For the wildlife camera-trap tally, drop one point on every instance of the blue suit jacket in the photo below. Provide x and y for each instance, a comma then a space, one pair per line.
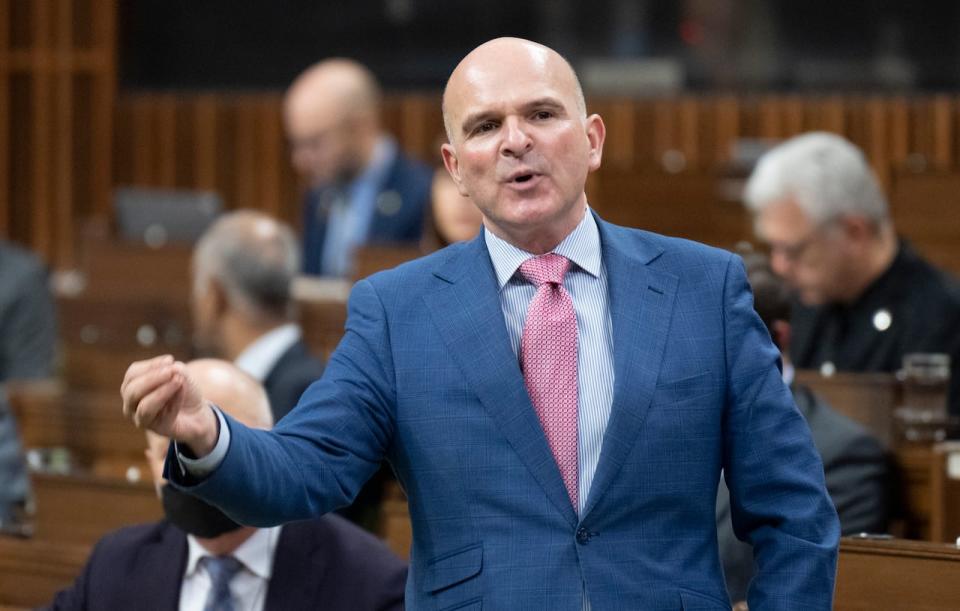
425, 376
404, 197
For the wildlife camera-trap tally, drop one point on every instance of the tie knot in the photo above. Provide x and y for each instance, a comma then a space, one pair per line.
221, 568
545, 268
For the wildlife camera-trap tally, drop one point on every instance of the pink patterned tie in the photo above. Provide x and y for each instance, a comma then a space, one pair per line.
548, 357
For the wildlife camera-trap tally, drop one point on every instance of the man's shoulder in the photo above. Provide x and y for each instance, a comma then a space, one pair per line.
18, 263
677, 255
130, 539
346, 542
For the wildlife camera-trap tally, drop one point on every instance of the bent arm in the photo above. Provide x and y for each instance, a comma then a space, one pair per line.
778, 499
320, 454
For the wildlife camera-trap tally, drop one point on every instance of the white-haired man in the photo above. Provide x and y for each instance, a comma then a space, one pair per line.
864, 296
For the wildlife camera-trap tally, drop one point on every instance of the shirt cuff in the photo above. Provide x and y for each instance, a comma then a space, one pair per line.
205, 465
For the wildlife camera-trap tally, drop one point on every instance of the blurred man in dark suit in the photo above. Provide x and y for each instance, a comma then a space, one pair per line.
243, 311
854, 462
363, 189
865, 298
198, 558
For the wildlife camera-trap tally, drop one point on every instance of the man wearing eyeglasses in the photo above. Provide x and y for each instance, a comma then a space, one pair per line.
864, 296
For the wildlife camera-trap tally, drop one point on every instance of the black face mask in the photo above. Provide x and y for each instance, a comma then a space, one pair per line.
194, 516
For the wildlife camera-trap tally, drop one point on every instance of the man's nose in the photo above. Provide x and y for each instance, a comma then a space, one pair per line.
780, 263
516, 140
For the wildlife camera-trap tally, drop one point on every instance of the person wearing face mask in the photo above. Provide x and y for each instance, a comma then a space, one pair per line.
199, 558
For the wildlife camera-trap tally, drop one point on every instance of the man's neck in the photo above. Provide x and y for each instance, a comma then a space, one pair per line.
240, 334
227, 543
876, 263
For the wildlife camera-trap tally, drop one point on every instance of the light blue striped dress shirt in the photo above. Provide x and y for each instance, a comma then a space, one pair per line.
586, 281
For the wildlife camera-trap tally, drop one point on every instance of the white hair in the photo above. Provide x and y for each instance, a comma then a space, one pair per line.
826, 175
255, 259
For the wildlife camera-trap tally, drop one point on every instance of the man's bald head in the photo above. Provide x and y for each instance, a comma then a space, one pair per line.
254, 259
232, 390
504, 54
332, 116
338, 85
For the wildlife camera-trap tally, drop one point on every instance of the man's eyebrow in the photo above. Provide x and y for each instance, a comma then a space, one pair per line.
546, 102
475, 118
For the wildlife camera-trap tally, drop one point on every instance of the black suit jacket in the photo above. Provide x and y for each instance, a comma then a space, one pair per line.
290, 376
326, 563
855, 466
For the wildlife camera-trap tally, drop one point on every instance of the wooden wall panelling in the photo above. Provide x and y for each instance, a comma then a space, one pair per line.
5, 119
56, 95
898, 119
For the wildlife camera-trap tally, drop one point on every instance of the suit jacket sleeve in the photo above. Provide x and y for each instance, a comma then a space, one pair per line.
318, 457
778, 499
28, 330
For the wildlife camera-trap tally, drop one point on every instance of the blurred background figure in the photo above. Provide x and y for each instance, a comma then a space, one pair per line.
452, 217
243, 310
864, 296
28, 333
198, 558
362, 188
854, 462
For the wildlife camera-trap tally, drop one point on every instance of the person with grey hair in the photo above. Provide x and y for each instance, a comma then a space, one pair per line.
363, 188
243, 268
863, 296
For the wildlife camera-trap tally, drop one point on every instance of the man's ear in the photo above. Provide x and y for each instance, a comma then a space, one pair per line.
596, 134
452, 164
218, 297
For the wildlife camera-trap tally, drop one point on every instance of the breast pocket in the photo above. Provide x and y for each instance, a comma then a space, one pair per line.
452, 569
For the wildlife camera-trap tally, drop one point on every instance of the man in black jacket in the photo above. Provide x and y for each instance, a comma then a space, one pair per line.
864, 297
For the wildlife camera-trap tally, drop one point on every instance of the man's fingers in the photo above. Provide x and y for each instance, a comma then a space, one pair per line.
142, 386
140, 367
151, 406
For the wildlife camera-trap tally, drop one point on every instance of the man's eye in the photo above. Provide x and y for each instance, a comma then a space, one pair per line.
543, 114
486, 126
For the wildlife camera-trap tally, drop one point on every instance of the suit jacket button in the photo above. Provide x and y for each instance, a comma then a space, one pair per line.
582, 536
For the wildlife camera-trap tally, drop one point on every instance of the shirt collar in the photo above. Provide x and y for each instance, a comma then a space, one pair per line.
256, 554
258, 358
384, 152
581, 246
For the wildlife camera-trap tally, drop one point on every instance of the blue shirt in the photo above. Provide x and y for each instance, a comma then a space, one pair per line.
351, 215
586, 281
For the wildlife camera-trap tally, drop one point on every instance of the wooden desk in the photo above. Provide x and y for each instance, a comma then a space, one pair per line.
32, 571
868, 398
88, 424
897, 575
82, 508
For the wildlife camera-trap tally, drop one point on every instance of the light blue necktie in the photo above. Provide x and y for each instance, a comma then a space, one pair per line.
221, 570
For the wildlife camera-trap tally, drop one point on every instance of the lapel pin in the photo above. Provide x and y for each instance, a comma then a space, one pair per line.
882, 319
389, 203
828, 369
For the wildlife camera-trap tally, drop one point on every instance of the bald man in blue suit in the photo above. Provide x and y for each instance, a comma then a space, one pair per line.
676, 376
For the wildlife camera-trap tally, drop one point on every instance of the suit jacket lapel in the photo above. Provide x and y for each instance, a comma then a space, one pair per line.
163, 578
294, 558
641, 304
466, 310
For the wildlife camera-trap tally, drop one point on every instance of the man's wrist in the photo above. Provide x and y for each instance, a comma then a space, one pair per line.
208, 434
